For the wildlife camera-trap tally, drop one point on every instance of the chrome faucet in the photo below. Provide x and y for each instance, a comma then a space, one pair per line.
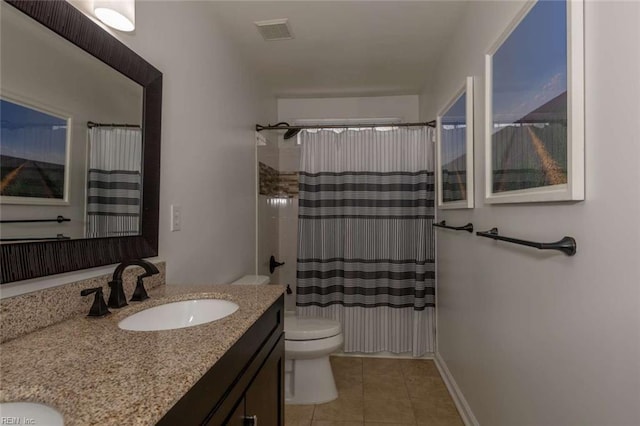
117, 298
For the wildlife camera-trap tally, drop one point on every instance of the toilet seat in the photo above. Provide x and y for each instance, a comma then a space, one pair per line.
309, 349
310, 328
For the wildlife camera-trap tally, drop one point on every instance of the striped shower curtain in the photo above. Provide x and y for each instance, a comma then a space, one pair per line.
366, 251
114, 187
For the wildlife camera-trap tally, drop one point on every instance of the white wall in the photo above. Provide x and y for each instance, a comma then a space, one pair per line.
211, 103
402, 108
267, 244
533, 338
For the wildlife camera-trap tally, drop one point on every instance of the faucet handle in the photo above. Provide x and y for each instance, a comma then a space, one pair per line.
140, 294
99, 308
117, 298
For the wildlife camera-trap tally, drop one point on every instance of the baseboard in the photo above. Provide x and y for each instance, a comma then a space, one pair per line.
458, 398
405, 355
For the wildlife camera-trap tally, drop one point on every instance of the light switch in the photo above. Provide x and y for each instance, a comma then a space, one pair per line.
176, 217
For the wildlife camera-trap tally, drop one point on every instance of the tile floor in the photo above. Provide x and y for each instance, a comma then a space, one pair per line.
381, 391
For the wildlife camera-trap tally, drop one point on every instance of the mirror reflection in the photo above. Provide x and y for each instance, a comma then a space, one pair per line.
70, 141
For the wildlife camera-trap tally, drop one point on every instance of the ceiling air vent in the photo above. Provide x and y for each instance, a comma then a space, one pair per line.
274, 29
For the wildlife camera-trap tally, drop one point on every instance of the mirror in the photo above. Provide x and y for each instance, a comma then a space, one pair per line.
80, 142
52, 164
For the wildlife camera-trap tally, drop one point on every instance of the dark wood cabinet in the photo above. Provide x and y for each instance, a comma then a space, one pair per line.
238, 417
263, 399
261, 403
247, 381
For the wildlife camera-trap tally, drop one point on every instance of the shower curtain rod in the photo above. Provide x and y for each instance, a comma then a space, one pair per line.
91, 124
287, 126
291, 131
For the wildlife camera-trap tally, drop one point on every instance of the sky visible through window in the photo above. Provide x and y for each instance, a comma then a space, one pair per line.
32, 135
530, 67
453, 151
453, 132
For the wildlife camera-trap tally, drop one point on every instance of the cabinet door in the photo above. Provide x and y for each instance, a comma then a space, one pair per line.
265, 396
237, 417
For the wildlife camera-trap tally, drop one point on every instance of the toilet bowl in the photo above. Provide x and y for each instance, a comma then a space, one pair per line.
308, 344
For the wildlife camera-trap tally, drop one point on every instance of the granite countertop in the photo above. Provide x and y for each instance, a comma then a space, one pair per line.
95, 373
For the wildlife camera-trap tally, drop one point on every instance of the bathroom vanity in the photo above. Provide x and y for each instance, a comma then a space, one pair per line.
228, 371
246, 385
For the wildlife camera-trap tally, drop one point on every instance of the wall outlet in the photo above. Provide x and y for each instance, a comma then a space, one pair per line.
176, 217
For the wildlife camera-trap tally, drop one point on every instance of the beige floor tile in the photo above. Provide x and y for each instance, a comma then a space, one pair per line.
298, 413
426, 387
378, 376
419, 368
341, 409
346, 362
381, 367
347, 368
436, 411
348, 375
381, 392
441, 421
350, 388
297, 422
385, 411
385, 387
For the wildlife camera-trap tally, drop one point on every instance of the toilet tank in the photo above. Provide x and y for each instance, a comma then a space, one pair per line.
253, 279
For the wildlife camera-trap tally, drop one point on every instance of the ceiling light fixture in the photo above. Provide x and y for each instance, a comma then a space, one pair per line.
118, 14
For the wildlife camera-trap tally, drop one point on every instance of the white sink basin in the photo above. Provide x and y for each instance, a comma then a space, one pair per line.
25, 413
178, 315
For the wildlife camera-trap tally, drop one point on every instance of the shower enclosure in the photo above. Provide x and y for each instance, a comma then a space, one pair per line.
356, 241
277, 222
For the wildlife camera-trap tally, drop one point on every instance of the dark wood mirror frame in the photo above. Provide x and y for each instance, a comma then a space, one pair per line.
30, 260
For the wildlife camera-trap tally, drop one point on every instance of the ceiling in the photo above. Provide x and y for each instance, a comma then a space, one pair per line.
343, 48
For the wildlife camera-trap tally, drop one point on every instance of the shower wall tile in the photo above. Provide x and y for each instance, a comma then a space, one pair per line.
289, 165
288, 248
289, 183
275, 183
278, 219
269, 179
289, 159
269, 155
268, 235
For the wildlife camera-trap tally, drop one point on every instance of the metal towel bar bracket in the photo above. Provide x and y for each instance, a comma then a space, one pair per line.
567, 245
443, 224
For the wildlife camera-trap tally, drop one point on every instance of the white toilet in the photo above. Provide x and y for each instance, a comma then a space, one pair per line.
308, 344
